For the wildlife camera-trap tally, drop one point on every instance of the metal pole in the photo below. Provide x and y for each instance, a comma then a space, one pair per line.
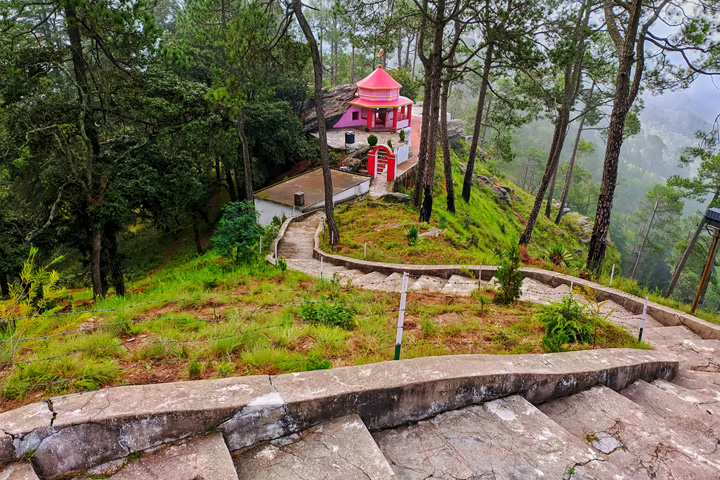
572, 283
321, 268
479, 276
642, 322
260, 246
365, 252
612, 274
276, 255
707, 269
401, 316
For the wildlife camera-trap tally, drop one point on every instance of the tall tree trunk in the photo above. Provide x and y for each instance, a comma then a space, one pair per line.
352, 63
90, 137
196, 235
415, 56
553, 158
642, 245
407, 53
246, 159
230, 184
4, 286
399, 54
686, 254
435, 80
218, 175
488, 109
467, 181
320, 112
551, 188
117, 274
424, 135
625, 92
447, 162
568, 177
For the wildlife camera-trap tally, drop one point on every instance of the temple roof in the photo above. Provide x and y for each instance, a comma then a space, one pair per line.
379, 80
396, 102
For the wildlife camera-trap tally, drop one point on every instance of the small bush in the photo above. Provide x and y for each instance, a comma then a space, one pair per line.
238, 233
367, 130
390, 144
509, 275
317, 362
195, 368
566, 321
372, 140
402, 135
442, 220
337, 313
282, 264
412, 235
225, 368
558, 255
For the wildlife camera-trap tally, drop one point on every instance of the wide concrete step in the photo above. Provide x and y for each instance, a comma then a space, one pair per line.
427, 283
459, 285
335, 450
641, 444
392, 284
502, 439
18, 471
709, 403
203, 458
694, 426
351, 275
370, 280
706, 383
701, 355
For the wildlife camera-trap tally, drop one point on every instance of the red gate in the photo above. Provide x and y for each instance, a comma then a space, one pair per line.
378, 166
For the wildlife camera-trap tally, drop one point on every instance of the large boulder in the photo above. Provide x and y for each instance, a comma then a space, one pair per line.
585, 225
335, 101
456, 130
396, 197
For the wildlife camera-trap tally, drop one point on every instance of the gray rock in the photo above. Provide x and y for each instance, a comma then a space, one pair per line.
395, 197
335, 101
605, 442
502, 195
18, 471
483, 181
579, 252
432, 233
456, 130
337, 449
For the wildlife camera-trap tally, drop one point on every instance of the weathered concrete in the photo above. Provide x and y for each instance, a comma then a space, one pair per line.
202, 458
392, 393
23, 429
645, 446
459, 285
335, 450
505, 438
706, 383
93, 428
18, 471
428, 284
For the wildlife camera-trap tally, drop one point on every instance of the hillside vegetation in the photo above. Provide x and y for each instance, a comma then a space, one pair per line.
473, 235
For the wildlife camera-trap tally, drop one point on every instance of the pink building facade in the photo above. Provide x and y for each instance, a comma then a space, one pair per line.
378, 105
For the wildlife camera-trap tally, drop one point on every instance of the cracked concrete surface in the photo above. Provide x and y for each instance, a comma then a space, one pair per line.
202, 458
336, 450
18, 471
651, 448
507, 438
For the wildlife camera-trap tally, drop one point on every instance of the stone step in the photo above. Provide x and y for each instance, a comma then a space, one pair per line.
707, 383
695, 426
503, 439
202, 458
642, 445
536, 292
706, 402
701, 355
668, 335
335, 450
18, 471
351, 275
459, 285
427, 283
393, 283
369, 280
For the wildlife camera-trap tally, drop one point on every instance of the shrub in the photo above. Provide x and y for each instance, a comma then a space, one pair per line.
402, 135
317, 362
195, 368
566, 321
390, 144
337, 313
442, 220
558, 255
367, 130
372, 140
412, 235
238, 233
281, 264
508, 275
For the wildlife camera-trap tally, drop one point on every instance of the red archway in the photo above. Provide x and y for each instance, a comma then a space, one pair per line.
378, 166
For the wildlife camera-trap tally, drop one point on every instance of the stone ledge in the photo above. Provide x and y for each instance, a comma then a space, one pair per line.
88, 429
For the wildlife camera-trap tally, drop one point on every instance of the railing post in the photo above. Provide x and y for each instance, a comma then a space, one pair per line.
401, 316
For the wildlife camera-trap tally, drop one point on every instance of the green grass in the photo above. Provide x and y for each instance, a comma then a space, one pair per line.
471, 236
207, 317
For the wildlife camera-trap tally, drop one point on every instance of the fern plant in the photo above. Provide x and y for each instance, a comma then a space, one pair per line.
566, 321
509, 275
558, 255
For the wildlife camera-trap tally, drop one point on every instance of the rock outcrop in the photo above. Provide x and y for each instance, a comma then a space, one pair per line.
335, 101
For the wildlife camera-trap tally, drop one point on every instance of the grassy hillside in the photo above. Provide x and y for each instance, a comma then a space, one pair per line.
470, 236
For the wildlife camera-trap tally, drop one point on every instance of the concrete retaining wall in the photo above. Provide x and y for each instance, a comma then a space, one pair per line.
73, 433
